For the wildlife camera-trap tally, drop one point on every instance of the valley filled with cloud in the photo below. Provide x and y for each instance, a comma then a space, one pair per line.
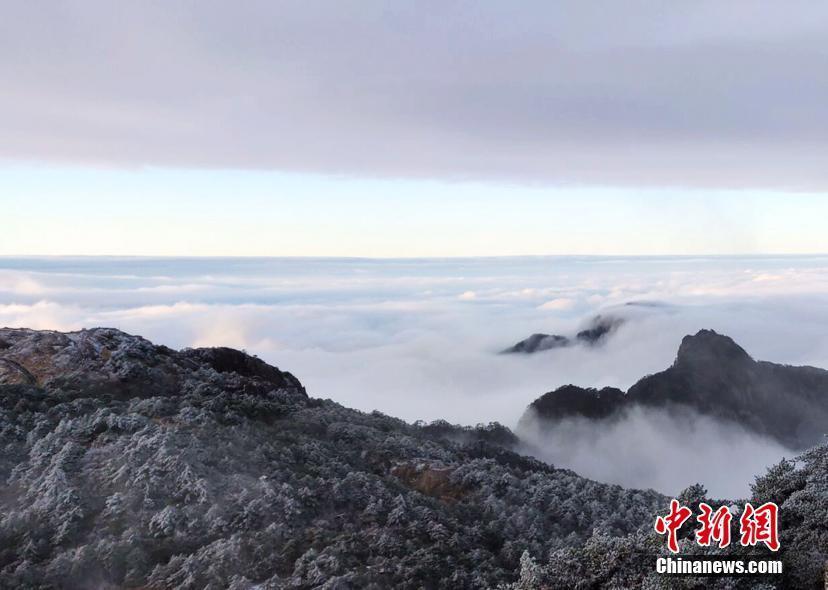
419, 339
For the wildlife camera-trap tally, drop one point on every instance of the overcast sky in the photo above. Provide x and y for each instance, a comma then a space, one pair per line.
426, 128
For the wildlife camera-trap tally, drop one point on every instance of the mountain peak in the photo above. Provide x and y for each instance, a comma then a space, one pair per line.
713, 376
126, 365
708, 346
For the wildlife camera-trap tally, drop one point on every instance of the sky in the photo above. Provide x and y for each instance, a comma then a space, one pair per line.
253, 213
380, 129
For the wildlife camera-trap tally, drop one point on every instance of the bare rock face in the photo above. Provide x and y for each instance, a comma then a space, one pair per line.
12, 372
708, 349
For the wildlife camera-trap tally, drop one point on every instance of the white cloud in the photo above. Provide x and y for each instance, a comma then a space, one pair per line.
654, 449
402, 342
559, 304
42, 315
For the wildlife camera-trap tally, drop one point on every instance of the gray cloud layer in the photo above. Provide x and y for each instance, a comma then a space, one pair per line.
723, 94
661, 450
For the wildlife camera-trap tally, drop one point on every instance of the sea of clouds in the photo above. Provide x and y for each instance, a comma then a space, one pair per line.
418, 339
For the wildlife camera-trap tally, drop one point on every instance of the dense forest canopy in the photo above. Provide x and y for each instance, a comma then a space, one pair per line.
130, 465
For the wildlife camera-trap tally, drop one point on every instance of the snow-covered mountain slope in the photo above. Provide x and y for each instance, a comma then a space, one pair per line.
130, 465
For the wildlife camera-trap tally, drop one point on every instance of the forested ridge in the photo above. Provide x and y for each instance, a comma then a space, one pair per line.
130, 465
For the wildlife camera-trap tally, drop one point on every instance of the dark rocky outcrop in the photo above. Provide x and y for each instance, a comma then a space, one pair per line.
598, 329
538, 342
714, 376
570, 401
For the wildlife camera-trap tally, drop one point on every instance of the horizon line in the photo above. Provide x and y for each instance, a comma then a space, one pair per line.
389, 258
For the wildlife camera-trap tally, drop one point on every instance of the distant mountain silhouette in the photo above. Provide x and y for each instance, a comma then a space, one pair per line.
599, 327
715, 377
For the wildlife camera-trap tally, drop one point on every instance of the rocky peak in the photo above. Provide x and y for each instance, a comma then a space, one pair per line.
713, 376
707, 347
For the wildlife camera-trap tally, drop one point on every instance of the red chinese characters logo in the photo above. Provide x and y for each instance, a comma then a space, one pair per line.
715, 526
671, 523
756, 525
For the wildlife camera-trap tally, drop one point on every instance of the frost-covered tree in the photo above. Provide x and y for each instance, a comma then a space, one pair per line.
133, 466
